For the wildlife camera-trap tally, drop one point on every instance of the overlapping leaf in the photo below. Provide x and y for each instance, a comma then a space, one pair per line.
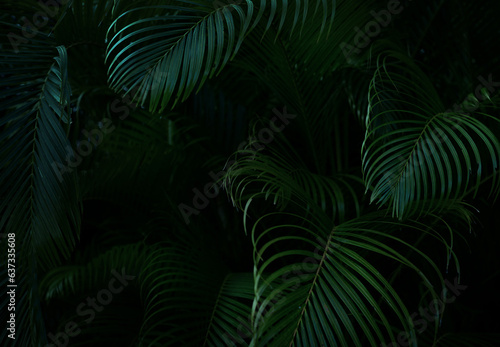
192, 302
335, 296
278, 175
416, 152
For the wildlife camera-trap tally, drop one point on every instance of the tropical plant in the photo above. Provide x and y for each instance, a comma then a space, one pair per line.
249, 173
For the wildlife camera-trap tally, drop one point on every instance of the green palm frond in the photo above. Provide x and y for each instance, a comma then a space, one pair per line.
37, 205
415, 151
113, 278
129, 110
192, 301
78, 279
278, 175
36, 148
335, 296
298, 69
166, 56
229, 322
36, 137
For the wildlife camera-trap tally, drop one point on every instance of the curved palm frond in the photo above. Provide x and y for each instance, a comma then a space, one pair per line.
279, 175
166, 56
33, 132
112, 278
319, 267
193, 301
297, 69
336, 296
162, 54
70, 280
37, 205
229, 322
415, 151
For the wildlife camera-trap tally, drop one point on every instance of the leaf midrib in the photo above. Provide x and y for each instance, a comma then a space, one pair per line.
316, 275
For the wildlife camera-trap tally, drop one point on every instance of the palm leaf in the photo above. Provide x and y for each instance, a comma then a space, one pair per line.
229, 322
66, 290
33, 142
335, 296
191, 300
278, 175
40, 207
81, 279
415, 151
166, 56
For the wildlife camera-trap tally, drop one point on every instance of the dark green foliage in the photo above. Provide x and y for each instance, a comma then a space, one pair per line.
227, 174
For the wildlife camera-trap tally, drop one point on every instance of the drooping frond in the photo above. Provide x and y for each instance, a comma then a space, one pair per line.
38, 204
34, 151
